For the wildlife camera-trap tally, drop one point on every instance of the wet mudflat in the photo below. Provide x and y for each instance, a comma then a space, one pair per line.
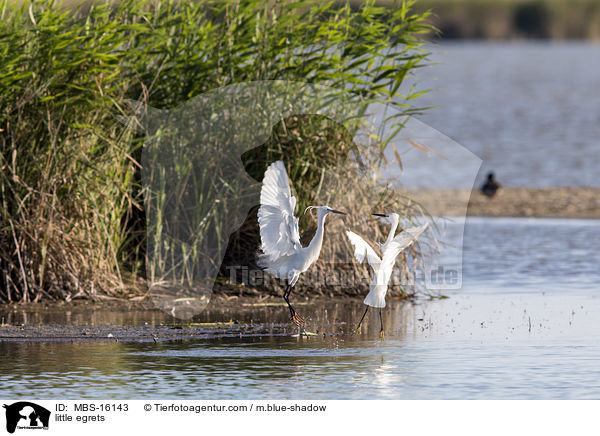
232, 317
147, 325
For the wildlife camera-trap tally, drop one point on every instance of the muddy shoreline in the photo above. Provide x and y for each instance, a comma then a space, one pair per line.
140, 321
513, 202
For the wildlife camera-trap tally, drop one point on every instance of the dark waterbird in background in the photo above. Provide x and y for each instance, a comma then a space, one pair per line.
491, 186
282, 253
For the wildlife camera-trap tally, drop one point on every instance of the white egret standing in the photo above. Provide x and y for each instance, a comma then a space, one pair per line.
383, 267
282, 254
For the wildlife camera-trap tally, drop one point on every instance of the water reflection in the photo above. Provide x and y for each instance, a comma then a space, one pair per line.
236, 319
512, 332
81, 316
465, 347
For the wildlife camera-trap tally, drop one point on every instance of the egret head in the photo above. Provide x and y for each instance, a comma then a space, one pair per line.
323, 210
392, 217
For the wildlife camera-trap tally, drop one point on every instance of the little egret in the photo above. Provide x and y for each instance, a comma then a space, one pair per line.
282, 254
383, 267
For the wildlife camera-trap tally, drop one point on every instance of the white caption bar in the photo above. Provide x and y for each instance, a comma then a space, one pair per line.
277, 417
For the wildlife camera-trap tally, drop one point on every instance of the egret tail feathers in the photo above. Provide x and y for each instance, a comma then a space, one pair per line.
376, 297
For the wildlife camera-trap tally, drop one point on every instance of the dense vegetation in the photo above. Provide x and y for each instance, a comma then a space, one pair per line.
71, 199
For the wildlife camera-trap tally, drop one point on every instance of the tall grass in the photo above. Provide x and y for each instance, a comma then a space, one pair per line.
71, 198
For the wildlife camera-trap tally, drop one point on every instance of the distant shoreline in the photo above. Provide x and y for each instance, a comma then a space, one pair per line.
513, 202
512, 19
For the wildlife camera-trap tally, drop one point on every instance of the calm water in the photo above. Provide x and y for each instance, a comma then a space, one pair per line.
525, 325
531, 111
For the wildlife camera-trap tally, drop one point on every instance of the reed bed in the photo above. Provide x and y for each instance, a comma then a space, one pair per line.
72, 221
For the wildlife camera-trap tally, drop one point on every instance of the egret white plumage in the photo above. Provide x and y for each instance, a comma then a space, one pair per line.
384, 266
282, 253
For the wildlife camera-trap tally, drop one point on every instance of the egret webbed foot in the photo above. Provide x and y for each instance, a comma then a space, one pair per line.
297, 319
294, 317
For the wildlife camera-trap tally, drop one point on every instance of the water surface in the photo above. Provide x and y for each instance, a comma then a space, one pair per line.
524, 326
530, 110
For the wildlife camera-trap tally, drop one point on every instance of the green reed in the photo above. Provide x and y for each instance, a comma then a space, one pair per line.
72, 220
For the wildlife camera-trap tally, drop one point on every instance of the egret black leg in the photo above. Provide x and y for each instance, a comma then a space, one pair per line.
381, 321
285, 297
361, 319
297, 319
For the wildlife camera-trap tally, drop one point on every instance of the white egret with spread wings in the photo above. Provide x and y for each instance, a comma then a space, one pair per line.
282, 253
384, 266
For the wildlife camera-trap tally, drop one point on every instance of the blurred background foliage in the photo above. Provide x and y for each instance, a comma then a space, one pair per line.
512, 19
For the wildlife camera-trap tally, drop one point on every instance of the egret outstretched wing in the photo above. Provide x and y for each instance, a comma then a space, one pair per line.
402, 241
362, 249
278, 226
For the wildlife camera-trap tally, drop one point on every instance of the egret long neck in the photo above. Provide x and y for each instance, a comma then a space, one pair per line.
317, 241
392, 233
